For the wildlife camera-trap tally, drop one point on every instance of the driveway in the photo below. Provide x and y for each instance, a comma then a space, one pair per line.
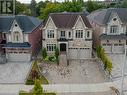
117, 61
14, 72
76, 73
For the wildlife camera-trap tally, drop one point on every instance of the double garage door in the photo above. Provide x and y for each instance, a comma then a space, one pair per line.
79, 53
116, 48
23, 57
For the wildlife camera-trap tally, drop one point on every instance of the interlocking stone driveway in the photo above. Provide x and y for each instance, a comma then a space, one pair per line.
77, 72
14, 72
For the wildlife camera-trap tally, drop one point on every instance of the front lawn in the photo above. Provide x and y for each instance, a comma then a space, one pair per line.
26, 93
35, 74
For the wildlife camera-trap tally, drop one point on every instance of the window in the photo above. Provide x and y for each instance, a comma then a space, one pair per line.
62, 34
16, 36
69, 34
50, 33
51, 47
88, 34
113, 29
79, 34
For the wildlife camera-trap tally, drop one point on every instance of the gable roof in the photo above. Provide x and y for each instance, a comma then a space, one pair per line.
26, 23
67, 20
102, 16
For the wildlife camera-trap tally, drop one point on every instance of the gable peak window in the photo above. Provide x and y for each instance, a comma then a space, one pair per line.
16, 36
50, 33
114, 29
79, 34
114, 19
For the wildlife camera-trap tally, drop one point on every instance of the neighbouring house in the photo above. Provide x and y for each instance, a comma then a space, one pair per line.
70, 32
20, 37
110, 29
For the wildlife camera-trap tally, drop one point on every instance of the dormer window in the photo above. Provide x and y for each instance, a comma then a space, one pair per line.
114, 29
16, 36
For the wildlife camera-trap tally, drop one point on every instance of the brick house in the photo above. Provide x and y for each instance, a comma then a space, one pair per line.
70, 32
20, 37
110, 29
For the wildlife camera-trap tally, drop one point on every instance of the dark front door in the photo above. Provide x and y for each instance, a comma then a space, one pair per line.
63, 47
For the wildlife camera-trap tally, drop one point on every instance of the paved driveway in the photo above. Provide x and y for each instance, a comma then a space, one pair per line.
14, 72
117, 60
76, 72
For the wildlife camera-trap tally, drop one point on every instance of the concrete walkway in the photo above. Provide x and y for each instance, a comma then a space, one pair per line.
61, 88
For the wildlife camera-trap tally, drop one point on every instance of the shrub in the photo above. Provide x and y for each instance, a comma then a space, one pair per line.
101, 54
44, 53
57, 54
37, 90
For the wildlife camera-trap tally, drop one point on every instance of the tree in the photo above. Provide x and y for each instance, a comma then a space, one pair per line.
37, 90
44, 53
124, 4
20, 8
33, 8
57, 54
92, 6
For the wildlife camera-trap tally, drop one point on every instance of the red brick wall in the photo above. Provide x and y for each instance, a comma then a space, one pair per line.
35, 39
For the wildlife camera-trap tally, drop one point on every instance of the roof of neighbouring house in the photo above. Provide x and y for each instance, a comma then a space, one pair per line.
17, 45
67, 19
102, 16
26, 23
105, 36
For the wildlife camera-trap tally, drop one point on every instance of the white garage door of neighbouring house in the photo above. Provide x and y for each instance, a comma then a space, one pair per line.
19, 57
79, 53
118, 48
107, 48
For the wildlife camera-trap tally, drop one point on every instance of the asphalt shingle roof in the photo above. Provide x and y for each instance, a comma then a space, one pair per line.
26, 23
17, 45
102, 16
67, 20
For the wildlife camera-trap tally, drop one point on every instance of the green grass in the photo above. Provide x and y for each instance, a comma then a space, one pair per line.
26, 93
30, 80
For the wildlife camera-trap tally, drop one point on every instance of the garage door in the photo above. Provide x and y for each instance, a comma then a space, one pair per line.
107, 48
79, 53
118, 48
18, 57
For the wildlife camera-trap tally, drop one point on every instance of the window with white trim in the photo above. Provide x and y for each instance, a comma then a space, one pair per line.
51, 47
16, 36
79, 34
88, 34
113, 29
62, 34
50, 33
69, 34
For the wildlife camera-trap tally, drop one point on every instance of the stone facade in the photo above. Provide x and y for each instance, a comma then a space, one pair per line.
72, 43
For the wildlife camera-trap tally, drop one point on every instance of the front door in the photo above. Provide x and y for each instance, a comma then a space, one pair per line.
62, 47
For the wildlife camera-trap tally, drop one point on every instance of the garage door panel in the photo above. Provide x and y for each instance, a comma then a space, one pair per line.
118, 49
80, 53
108, 49
18, 57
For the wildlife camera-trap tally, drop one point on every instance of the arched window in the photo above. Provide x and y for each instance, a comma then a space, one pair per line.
16, 36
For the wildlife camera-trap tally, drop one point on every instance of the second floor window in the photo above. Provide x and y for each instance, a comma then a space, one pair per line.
16, 36
50, 33
113, 29
69, 34
62, 34
88, 34
79, 34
